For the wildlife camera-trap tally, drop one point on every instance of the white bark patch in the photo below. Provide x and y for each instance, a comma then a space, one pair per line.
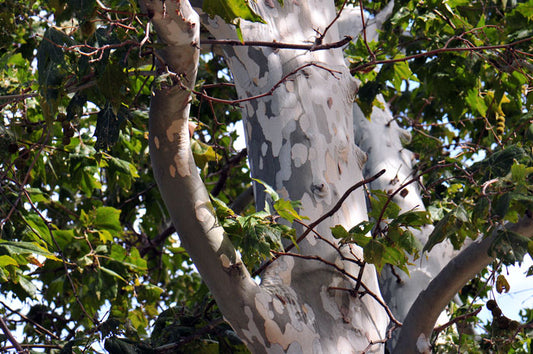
299, 154
344, 346
264, 149
274, 335
289, 86
156, 142
282, 270
181, 159
261, 304
172, 171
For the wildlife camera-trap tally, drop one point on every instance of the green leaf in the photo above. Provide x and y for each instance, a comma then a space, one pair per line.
6, 260
447, 227
476, 102
108, 126
509, 246
373, 252
39, 228
231, 10
412, 219
339, 232
108, 218
268, 190
23, 248
379, 200
203, 153
286, 209
113, 273
222, 209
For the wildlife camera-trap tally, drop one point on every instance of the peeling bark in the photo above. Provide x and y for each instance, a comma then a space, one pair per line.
300, 141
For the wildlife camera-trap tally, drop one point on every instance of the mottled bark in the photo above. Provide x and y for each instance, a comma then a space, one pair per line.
300, 141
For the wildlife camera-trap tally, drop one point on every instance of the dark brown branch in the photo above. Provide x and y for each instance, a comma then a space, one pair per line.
372, 63
319, 39
348, 275
314, 224
279, 45
438, 329
10, 337
268, 93
224, 172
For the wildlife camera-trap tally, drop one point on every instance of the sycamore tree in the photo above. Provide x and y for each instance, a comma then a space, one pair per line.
388, 150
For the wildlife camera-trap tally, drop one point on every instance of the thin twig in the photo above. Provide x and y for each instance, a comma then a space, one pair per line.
331, 23
268, 93
314, 224
345, 273
372, 63
370, 52
41, 328
438, 329
10, 337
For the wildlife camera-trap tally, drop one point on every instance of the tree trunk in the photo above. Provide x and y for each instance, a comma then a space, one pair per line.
300, 141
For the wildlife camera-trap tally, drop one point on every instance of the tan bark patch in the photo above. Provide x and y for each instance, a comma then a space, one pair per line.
182, 163
173, 130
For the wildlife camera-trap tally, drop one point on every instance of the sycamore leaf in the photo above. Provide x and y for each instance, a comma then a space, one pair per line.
502, 285
6, 260
231, 10
286, 209
509, 246
21, 247
108, 218
373, 253
113, 273
476, 102
203, 153
447, 227
268, 190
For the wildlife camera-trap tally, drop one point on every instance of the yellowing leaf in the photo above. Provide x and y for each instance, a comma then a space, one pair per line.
502, 285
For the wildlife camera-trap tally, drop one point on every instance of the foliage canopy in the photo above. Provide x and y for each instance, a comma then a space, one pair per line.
85, 237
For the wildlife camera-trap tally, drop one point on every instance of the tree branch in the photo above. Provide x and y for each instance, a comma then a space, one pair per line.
315, 223
418, 325
10, 337
175, 171
372, 63
279, 45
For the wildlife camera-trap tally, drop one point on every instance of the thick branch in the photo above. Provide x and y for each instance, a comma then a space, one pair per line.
418, 325
182, 189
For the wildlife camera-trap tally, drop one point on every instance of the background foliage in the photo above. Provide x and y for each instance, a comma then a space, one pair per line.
86, 242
